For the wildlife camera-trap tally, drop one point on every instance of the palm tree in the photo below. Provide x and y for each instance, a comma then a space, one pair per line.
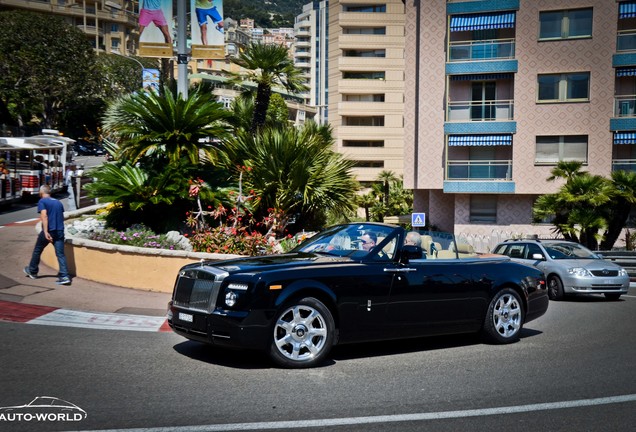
387, 177
566, 170
148, 124
267, 66
623, 200
295, 170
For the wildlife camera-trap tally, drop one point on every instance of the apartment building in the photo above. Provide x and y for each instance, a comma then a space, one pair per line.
310, 54
500, 91
110, 25
366, 83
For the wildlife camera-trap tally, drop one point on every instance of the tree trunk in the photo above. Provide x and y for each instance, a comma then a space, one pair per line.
620, 213
261, 104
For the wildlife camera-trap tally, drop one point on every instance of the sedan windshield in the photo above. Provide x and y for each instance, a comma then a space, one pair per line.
563, 250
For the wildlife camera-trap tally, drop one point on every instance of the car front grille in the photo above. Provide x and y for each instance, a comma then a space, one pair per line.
197, 289
605, 273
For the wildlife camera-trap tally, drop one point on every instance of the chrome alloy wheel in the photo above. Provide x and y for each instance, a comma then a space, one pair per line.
506, 316
300, 333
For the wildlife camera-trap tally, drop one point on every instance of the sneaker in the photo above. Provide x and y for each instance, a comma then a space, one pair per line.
29, 274
63, 281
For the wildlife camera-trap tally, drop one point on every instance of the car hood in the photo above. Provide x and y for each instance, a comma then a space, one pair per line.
276, 262
590, 264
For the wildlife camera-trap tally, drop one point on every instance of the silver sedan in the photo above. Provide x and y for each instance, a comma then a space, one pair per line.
569, 267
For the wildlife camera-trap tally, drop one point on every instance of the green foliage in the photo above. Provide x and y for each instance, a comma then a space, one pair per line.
148, 124
47, 69
277, 112
297, 171
267, 66
267, 15
386, 198
588, 208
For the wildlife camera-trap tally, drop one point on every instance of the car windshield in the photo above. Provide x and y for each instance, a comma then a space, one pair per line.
564, 250
355, 240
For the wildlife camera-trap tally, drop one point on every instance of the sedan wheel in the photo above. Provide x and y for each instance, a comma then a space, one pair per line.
555, 288
505, 316
612, 296
303, 334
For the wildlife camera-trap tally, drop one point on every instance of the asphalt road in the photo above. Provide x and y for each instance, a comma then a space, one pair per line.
573, 370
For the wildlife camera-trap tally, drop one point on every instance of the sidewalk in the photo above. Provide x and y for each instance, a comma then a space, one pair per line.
17, 241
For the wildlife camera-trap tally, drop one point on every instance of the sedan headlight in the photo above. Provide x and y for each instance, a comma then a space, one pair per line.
579, 271
622, 272
230, 298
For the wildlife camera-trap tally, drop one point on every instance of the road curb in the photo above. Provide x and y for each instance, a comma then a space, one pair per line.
52, 316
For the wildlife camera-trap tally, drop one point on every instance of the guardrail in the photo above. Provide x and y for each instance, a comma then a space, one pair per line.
625, 259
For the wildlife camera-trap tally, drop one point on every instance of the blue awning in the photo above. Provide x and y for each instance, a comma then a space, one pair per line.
625, 138
481, 77
627, 10
482, 21
479, 140
626, 71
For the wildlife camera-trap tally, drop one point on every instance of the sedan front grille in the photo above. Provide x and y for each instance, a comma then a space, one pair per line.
605, 273
197, 289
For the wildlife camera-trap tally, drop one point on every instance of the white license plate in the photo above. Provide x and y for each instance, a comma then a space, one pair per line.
185, 317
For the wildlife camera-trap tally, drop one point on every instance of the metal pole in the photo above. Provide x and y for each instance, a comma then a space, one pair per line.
182, 54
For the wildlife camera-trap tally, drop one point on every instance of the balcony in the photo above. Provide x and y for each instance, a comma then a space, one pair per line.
495, 110
480, 170
626, 40
625, 106
476, 50
628, 165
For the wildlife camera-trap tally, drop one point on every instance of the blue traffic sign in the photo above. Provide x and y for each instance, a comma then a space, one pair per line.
418, 219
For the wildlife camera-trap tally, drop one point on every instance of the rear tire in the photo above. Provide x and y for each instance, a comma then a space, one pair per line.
504, 318
303, 334
555, 288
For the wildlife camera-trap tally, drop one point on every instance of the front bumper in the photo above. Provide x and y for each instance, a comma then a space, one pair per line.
250, 330
596, 285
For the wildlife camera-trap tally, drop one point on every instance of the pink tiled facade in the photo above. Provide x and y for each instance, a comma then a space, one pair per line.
425, 148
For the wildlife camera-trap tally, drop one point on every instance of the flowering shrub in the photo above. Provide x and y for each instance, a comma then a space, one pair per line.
138, 235
231, 240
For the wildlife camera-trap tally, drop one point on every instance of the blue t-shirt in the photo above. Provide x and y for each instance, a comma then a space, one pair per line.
54, 212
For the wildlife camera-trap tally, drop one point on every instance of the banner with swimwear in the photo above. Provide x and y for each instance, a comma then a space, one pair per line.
155, 28
206, 29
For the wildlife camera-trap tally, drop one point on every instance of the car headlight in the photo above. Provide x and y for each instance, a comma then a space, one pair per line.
230, 298
622, 272
579, 271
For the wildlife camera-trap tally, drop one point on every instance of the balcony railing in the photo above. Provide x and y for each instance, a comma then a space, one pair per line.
625, 106
501, 110
626, 40
624, 165
481, 50
479, 170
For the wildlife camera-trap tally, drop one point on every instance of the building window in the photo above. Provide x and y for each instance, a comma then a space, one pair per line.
364, 53
114, 27
568, 87
364, 75
565, 24
363, 97
483, 209
364, 30
551, 150
363, 121
368, 164
114, 43
362, 143
364, 8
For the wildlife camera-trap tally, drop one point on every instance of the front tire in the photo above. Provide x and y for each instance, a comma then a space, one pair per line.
555, 288
504, 318
303, 334
612, 296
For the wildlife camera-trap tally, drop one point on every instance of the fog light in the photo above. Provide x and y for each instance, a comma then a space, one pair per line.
230, 298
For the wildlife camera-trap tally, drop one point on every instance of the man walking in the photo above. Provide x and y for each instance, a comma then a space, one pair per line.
52, 217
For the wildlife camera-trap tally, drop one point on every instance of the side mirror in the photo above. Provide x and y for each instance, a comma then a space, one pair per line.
538, 256
410, 252
600, 256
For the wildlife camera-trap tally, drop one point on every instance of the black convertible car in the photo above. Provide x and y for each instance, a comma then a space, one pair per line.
353, 283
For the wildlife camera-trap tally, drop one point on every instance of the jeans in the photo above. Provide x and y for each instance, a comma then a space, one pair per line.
58, 244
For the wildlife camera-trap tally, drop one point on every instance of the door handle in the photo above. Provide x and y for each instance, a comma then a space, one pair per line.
400, 270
